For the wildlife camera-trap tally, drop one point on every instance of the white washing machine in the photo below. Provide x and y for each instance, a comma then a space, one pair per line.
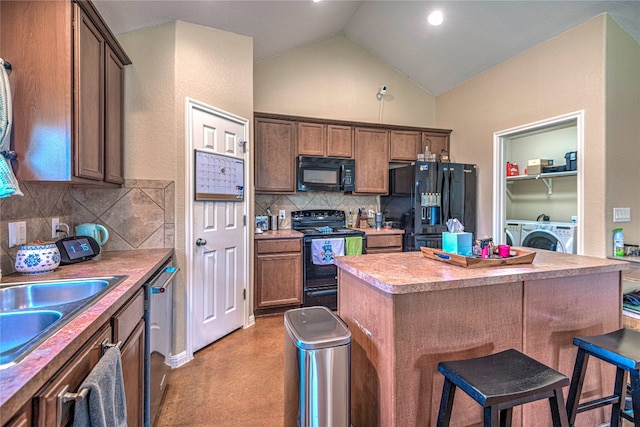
513, 230
553, 236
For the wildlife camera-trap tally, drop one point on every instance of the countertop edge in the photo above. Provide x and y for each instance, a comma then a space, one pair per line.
483, 276
21, 381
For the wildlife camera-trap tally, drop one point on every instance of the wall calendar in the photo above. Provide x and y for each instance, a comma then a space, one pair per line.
218, 177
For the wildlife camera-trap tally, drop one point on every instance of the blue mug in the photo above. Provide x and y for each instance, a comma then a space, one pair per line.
97, 231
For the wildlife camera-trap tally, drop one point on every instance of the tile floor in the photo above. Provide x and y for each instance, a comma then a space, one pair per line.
235, 382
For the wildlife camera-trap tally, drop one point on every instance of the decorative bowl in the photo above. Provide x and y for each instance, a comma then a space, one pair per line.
37, 258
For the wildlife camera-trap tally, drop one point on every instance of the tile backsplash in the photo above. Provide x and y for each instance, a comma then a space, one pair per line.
312, 200
139, 215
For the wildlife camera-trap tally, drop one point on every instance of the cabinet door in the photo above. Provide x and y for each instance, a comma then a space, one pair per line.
311, 139
404, 145
88, 98
340, 141
275, 159
113, 119
436, 142
133, 375
47, 412
371, 148
278, 280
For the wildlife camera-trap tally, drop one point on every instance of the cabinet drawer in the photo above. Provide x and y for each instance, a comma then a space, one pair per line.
126, 320
384, 241
278, 246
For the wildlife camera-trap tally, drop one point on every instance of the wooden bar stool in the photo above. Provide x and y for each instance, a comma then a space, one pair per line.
499, 382
620, 348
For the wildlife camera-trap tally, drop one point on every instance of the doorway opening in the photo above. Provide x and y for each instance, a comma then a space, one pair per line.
555, 193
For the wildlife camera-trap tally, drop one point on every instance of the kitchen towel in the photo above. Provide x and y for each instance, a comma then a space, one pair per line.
105, 405
8, 182
324, 250
353, 245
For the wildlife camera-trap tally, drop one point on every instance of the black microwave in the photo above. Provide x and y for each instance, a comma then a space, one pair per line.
326, 174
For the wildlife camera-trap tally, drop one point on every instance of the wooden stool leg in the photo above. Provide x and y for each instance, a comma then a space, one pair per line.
491, 416
635, 396
558, 411
446, 403
573, 399
619, 389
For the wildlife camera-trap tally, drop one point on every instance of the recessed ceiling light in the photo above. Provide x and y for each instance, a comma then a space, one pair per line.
317, 1
435, 18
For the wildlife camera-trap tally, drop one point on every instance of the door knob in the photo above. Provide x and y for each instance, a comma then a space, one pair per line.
200, 242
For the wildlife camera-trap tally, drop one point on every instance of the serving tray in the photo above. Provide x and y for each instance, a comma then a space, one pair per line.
520, 256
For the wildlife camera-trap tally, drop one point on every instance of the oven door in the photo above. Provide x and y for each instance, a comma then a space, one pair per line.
320, 282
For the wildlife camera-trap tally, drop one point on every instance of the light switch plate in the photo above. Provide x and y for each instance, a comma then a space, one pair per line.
621, 214
17, 233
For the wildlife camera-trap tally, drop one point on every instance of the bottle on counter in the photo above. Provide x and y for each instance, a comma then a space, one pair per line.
618, 242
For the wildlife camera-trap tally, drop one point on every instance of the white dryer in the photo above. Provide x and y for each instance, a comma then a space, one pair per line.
552, 236
513, 230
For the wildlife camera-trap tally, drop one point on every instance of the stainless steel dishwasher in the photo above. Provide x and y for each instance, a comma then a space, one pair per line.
158, 332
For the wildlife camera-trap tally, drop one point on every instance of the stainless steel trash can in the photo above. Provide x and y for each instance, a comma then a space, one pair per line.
317, 369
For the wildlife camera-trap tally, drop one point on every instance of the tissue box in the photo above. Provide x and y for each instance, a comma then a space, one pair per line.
457, 243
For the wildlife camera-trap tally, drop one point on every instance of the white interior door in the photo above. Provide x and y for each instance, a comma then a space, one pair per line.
219, 235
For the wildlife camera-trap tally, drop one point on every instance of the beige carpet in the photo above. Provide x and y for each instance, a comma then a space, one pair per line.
234, 382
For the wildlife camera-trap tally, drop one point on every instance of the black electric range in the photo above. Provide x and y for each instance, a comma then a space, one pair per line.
320, 280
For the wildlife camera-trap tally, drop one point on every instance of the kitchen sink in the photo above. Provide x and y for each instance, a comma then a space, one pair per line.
32, 312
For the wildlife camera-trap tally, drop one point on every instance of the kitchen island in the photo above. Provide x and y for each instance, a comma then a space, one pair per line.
406, 313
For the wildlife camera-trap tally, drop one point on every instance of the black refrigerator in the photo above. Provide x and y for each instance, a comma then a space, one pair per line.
423, 196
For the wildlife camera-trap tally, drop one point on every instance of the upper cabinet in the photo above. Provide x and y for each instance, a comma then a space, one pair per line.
280, 139
325, 140
67, 97
371, 147
405, 145
275, 156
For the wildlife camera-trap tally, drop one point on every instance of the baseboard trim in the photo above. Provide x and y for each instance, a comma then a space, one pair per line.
177, 360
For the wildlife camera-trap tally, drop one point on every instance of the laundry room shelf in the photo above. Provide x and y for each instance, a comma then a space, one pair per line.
545, 177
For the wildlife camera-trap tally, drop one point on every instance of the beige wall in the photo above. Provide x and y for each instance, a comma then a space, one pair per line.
337, 79
562, 75
623, 130
170, 62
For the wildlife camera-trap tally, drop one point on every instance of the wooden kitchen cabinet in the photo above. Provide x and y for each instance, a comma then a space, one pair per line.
436, 141
48, 411
68, 108
371, 153
128, 328
325, 140
278, 274
405, 145
275, 159
384, 243
22, 418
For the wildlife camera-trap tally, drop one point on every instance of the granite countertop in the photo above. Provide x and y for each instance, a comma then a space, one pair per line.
410, 272
278, 234
22, 380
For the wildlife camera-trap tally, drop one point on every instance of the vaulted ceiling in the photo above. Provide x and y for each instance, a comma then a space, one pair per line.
475, 35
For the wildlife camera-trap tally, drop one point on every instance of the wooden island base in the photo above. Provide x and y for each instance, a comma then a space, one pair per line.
407, 313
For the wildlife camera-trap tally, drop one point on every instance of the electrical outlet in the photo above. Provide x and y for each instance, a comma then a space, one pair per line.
282, 214
55, 222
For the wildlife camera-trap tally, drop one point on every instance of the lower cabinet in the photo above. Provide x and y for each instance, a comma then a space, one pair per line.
125, 327
384, 243
278, 274
49, 409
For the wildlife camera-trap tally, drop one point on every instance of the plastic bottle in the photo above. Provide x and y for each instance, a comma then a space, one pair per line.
618, 242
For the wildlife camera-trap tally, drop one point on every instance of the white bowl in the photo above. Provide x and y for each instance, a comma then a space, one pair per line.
37, 258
